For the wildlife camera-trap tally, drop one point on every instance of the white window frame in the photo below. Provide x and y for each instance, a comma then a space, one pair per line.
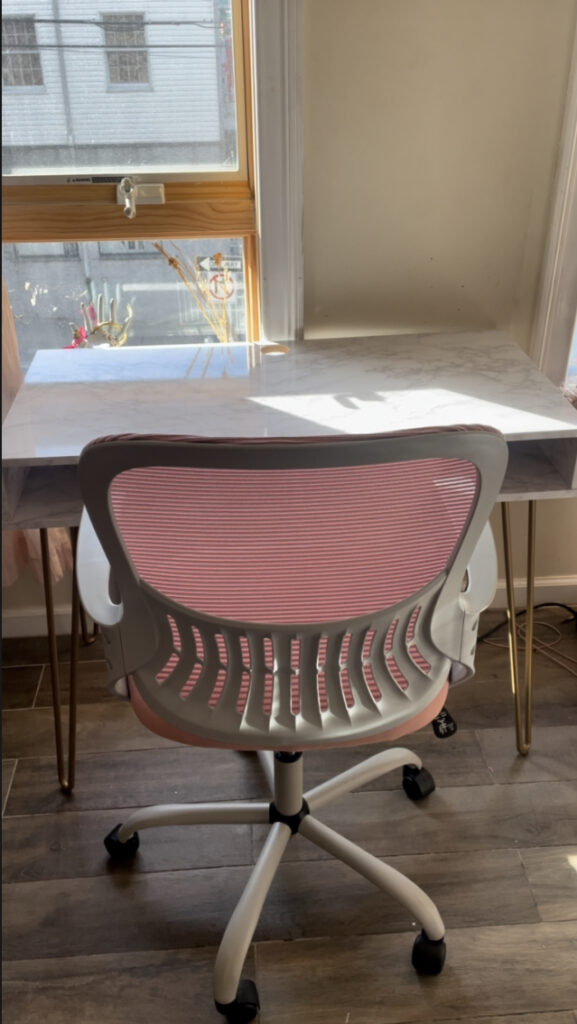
556, 307
278, 102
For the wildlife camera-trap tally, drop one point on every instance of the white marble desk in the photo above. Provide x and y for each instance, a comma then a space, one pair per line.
347, 386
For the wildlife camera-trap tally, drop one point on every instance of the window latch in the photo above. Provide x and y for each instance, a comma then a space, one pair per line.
129, 193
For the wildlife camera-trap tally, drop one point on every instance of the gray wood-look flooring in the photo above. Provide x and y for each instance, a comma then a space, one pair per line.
495, 846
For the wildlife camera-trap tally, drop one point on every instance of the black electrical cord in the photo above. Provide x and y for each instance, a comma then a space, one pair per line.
544, 604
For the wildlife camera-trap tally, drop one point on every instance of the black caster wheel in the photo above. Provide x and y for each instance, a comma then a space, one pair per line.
119, 852
417, 782
245, 1007
428, 954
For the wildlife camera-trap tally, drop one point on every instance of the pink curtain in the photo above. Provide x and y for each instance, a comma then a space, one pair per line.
22, 547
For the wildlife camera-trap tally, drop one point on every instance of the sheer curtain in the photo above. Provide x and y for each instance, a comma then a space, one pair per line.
22, 547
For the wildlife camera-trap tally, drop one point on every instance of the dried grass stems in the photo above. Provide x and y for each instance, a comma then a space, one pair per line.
214, 310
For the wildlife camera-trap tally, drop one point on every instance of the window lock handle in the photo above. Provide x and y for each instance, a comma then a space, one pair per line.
126, 194
129, 193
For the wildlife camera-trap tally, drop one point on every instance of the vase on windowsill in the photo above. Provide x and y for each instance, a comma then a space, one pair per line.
98, 332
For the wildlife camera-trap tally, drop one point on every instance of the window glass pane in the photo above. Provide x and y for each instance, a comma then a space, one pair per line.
163, 293
146, 86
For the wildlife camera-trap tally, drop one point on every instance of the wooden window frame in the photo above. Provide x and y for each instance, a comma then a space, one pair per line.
199, 208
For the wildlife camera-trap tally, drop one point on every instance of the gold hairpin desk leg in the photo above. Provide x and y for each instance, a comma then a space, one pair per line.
66, 780
523, 715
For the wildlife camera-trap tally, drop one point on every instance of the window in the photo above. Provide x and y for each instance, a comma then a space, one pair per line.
118, 248
20, 56
66, 151
127, 58
44, 250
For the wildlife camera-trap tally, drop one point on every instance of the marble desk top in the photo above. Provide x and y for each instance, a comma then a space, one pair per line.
359, 385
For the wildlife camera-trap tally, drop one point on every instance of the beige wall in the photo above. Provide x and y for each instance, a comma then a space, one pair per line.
555, 545
431, 129
431, 135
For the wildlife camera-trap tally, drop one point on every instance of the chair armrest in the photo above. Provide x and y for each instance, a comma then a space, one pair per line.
481, 575
456, 624
93, 576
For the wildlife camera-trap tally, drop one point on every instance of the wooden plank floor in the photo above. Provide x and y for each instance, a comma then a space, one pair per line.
495, 846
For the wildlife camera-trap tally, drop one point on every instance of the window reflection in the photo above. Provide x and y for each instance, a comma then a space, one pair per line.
57, 289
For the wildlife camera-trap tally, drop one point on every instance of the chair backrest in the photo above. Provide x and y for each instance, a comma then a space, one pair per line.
283, 592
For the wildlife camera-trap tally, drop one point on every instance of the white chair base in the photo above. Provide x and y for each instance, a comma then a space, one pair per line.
291, 807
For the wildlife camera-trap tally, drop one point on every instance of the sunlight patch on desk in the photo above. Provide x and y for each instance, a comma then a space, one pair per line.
411, 408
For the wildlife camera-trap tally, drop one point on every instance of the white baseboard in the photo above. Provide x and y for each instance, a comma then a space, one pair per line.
562, 589
31, 620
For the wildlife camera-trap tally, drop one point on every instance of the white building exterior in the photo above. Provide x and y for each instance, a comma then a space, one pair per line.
163, 95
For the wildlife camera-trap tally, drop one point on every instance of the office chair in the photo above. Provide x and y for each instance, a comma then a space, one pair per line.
282, 595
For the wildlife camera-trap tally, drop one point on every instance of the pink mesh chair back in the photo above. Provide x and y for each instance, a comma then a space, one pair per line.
283, 593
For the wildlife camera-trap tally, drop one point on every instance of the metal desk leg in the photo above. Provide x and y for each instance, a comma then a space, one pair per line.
66, 780
72, 699
523, 717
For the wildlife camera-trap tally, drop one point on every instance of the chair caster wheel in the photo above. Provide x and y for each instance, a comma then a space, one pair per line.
245, 1007
119, 852
428, 954
417, 782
